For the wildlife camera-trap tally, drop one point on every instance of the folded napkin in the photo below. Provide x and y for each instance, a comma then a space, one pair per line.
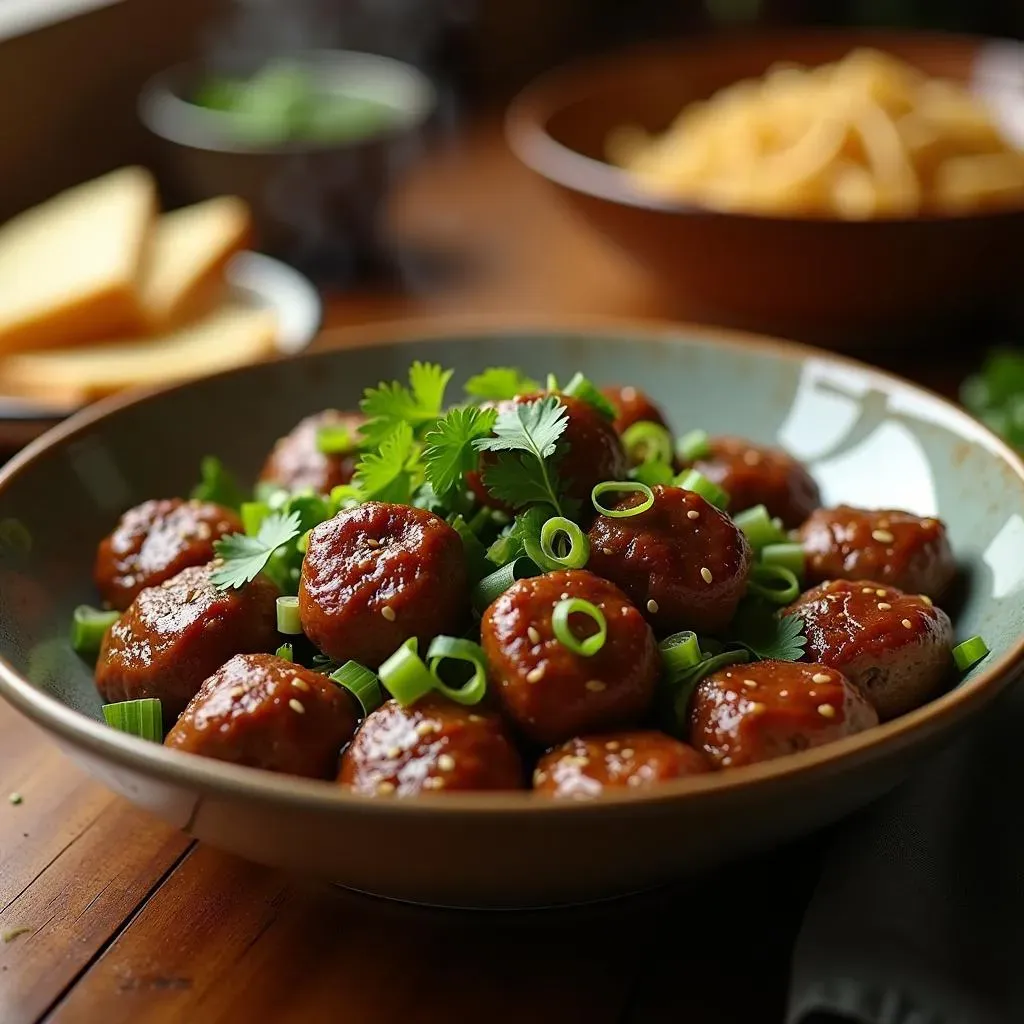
918, 917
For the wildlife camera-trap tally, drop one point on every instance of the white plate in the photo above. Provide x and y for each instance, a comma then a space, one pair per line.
253, 279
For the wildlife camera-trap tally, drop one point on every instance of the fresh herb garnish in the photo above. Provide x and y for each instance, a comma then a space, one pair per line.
392, 404
448, 452
521, 537
764, 633
498, 383
580, 387
389, 474
246, 557
996, 395
526, 437
216, 484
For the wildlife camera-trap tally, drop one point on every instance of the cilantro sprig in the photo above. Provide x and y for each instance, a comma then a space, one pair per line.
498, 383
449, 452
759, 628
246, 557
216, 484
392, 472
391, 404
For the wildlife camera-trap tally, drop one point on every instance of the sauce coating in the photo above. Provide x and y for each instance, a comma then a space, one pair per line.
757, 475
585, 766
377, 574
548, 690
434, 746
632, 406
757, 712
896, 647
296, 462
175, 635
896, 548
262, 711
156, 540
682, 562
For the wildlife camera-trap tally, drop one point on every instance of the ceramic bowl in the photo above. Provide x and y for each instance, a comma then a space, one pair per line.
842, 283
869, 438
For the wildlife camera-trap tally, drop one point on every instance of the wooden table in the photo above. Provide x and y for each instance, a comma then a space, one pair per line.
110, 916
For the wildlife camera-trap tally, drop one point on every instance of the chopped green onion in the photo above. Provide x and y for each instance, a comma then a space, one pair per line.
692, 480
456, 649
142, 718
552, 383
361, 683
645, 441
589, 646
332, 439
694, 445
405, 676
680, 652
88, 627
253, 513
653, 473
789, 556
288, 621
578, 546
286, 652
622, 486
760, 528
490, 588
302, 544
774, 583
580, 387
969, 653
475, 552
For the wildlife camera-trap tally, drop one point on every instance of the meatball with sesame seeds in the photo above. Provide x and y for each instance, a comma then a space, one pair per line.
588, 765
632, 406
551, 691
893, 547
756, 475
749, 713
297, 462
433, 746
378, 574
155, 541
682, 562
262, 711
896, 647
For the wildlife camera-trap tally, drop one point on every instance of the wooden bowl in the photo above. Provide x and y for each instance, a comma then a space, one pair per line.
836, 282
868, 438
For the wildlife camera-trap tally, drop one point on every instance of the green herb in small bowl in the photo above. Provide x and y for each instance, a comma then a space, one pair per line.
996, 394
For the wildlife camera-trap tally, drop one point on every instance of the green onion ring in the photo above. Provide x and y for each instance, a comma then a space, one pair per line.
788, 555
361, 683
646, 441
88, 627
579, 546
286, 652
969, 653
680, 652
760, 529
765, 582
622, 486
692, 480
405, 676
458, 649
694, 445
142, 718
288, 621
491, 587
563, 631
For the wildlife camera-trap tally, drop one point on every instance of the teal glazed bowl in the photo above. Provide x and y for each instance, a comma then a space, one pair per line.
869, 438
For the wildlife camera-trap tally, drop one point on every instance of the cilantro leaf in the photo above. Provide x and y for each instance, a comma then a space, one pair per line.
387, 474
391, 403
246, 557
500, 382
448, 452
523, 532
764, 633
217, 484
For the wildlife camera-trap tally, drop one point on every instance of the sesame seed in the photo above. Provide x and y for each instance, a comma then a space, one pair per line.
595, 685
612, 745
628, 393
296, 707
880, 592
751, 683
426, 728
884, 606
634, 780
652, 606
203, 531
393, 752
927, 600
693, 514
607, 551
756, 708
385, 787
907, 624
826, 711
300, 684
783, 693
388, 613
372, 542
238, 691
812, 693
533, 635
628, 751
446, 762
867, 590
564, 597
475, 718
883, 536
705, 573
820, 677
535, 675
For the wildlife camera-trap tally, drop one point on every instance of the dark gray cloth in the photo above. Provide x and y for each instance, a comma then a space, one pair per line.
918, 917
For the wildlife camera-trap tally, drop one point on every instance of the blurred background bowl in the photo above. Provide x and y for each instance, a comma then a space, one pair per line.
835, 282
315, 201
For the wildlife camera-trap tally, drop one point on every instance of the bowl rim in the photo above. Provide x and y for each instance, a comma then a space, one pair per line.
550, 93
169, 116
207, 776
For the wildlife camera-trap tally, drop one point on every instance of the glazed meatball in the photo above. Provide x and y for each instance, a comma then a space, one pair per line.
296, 462
586, 766
265, 712
433, 746
756, 475
548, 690
175, 635
896, 647
155, 541
757, 712
682, 562
378, 574
632, 406
893, 547
593, 451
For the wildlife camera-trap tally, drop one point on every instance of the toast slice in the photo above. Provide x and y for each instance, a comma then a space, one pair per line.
183, 271
230, 335
69, 267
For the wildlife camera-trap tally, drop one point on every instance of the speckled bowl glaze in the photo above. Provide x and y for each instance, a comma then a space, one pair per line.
870, 439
